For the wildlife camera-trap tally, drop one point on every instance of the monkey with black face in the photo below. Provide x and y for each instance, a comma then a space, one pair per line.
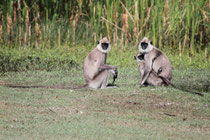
155, 67
153, 79
95, 69
154, 60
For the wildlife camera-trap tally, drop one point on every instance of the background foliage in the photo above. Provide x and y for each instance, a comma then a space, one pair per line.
181, 27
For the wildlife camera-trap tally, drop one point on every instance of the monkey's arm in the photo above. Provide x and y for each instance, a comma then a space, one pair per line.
107, 67
113, 69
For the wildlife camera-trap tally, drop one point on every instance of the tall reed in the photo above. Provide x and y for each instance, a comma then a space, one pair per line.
178, 25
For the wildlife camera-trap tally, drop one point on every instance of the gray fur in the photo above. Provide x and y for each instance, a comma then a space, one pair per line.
153, 78
95, 69
154, 60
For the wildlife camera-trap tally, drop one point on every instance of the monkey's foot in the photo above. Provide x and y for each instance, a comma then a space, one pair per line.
143, 85
112, 86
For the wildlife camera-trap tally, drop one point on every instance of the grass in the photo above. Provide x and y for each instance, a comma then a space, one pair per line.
123, 113
13, 59
49, 40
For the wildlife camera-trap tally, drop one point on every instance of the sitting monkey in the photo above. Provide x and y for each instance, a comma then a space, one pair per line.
153, 78
95, 69
154, 60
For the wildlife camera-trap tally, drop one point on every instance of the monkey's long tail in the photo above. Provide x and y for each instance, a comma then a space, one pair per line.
170, 83
39, 86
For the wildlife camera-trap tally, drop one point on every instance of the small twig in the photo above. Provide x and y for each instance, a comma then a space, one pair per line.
127, 11
52, 110
168, 114
204, 14
113, 24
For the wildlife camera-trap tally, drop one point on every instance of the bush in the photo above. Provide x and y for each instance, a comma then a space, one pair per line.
35, 59
65, 59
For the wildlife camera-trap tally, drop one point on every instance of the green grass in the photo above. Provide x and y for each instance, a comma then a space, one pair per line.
12, 59
123, 113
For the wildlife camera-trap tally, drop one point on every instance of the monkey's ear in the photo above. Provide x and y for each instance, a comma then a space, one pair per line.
134, 57
98, 42
151, 42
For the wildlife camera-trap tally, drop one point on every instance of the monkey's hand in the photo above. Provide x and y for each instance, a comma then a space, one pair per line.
115, 73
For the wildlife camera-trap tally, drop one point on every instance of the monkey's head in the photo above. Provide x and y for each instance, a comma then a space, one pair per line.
104, 45
145, 45
139, 57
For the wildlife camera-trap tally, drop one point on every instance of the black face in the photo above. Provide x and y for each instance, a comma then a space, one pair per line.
141, 57
144, 45
105, 46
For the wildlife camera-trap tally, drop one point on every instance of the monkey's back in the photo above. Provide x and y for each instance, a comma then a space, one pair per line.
92, 63
163, 62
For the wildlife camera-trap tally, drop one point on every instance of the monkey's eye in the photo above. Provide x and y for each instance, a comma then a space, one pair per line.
105, 45
144, 45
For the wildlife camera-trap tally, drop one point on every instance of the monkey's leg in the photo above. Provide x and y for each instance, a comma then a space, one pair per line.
105, 79
101, 80
154, 81
144, 79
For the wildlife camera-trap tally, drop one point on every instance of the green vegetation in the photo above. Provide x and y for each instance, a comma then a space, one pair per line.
52, 34
44, 42
66, 59
178, 25
122, 113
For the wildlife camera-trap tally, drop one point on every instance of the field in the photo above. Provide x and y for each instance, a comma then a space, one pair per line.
126, 112
44, 42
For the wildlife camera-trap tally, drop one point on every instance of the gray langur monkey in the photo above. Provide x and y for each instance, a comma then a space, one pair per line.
153, 79
155, 60
95, 69
154, 66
